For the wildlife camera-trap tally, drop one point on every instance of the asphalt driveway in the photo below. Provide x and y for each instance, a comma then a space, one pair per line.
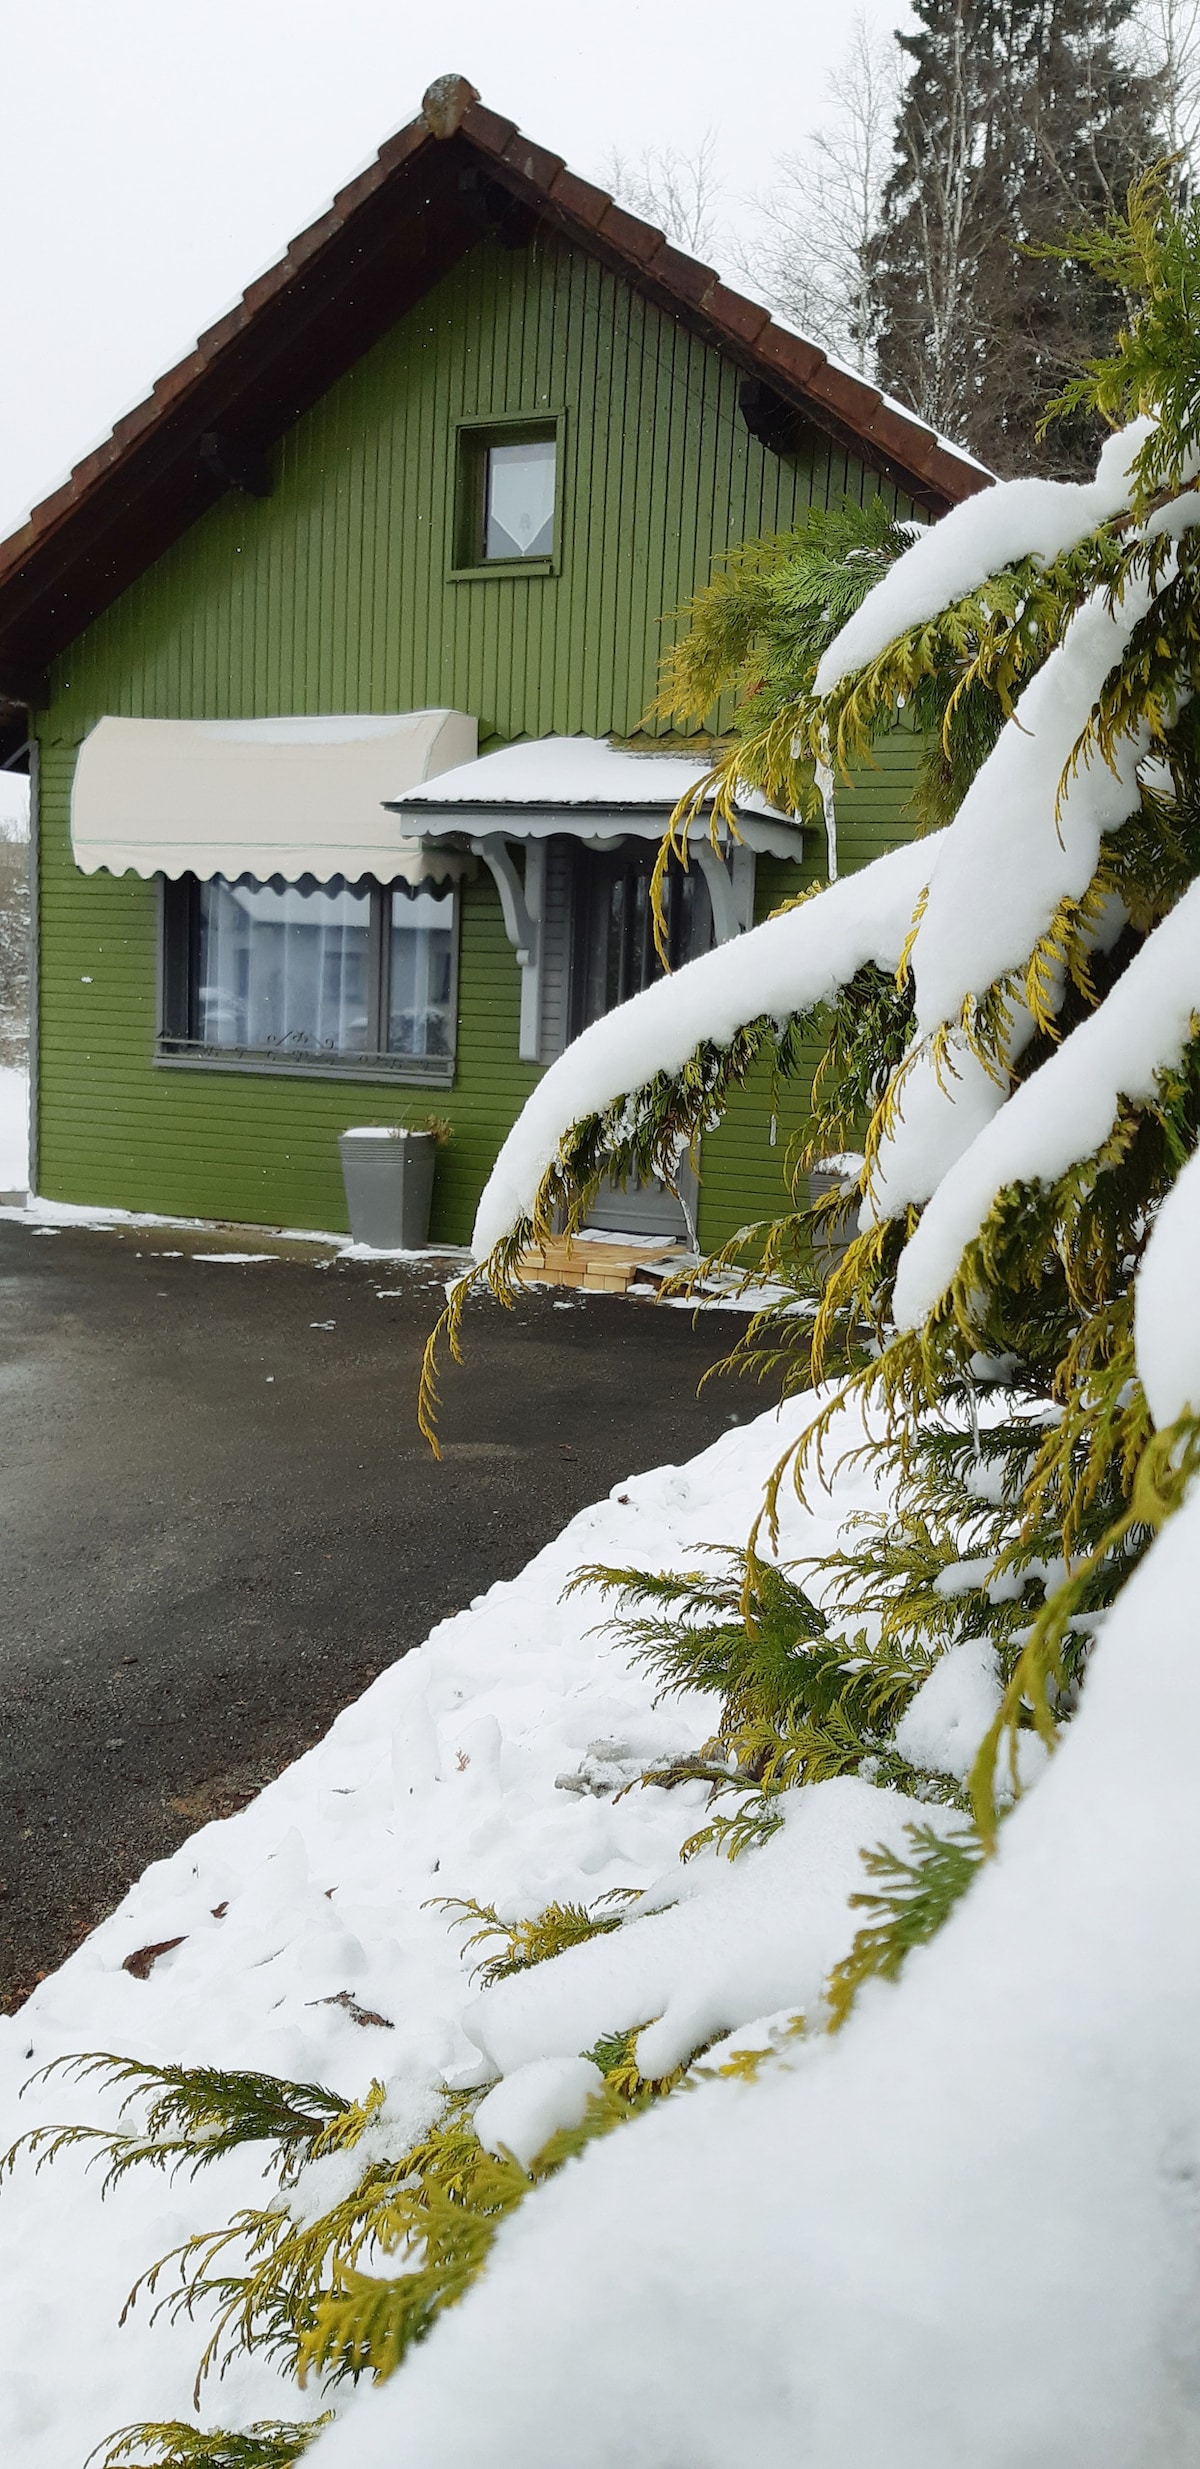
218, 1520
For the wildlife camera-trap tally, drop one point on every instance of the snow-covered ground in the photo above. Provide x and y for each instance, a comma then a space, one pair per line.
963, 2230
456, 1774
14, 1130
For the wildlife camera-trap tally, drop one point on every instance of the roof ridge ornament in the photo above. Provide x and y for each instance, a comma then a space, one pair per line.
446, 102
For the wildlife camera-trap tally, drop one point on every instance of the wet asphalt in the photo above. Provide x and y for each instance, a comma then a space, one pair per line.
218, 1519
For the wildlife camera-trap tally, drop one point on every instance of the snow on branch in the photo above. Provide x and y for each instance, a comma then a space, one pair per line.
1025, 840
1022, 518
1166, 1312
790, 964
1027, 836
1061, 1115
940, 1103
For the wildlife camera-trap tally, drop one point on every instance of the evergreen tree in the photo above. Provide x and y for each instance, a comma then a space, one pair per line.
1020, 119
981, 1045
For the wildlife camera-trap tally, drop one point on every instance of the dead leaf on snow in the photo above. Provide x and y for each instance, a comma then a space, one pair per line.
142, 1963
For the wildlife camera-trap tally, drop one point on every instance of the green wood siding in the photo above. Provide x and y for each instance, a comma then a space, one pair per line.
334, 595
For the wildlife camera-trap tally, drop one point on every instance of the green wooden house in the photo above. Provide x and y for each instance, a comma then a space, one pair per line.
331, 667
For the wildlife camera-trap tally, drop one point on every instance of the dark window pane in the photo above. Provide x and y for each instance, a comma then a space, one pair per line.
282, 968
616, 955
519, 499
421, 974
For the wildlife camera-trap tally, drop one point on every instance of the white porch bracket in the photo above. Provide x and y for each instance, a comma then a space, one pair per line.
730, 882
521, 906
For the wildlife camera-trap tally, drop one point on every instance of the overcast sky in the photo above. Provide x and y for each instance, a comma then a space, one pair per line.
157, 154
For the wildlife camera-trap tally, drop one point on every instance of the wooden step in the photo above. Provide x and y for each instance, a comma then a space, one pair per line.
600, 1267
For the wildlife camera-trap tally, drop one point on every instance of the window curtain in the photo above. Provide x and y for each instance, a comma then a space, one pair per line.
421, 973
283, 968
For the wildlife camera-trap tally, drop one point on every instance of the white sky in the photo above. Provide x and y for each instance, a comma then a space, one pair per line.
158, 153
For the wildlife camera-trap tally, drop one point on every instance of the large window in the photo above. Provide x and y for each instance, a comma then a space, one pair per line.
312, 974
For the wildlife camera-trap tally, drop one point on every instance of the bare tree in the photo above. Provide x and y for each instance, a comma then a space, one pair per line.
14, 918
1020, 122
807, 255
1165, 43
14, 948
679, 192
934, 157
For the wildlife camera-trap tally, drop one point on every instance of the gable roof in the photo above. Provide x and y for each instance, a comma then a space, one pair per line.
454, 173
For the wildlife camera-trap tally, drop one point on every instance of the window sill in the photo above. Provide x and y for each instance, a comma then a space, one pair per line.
426, 1073
497, 568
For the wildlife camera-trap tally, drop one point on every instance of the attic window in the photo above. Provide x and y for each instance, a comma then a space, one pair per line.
507, 492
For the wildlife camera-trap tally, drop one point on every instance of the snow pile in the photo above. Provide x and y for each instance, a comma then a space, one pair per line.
789, 964
1022, 518
301, 1936
535, 2102
964, 2231
719, 1955
942, 1726
14, 1130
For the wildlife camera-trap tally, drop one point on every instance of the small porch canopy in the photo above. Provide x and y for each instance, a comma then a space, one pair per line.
584, 786
596, 793
289, 797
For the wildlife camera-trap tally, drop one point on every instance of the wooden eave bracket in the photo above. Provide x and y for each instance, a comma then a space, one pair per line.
234, 463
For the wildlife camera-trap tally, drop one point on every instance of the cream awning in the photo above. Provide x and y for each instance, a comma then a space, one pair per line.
286, 797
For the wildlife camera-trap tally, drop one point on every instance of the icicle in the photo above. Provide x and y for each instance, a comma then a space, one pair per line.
824, 780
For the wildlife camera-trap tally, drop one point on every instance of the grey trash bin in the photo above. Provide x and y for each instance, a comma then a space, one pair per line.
388, 1174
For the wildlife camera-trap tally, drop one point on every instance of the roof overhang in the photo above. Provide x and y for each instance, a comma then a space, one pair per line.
286, 797
585, 787
455, 174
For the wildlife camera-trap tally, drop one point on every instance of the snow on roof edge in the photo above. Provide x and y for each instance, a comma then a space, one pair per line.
572, 772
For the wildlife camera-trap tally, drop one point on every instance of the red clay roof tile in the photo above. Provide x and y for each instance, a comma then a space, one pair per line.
580, 198
739, 316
